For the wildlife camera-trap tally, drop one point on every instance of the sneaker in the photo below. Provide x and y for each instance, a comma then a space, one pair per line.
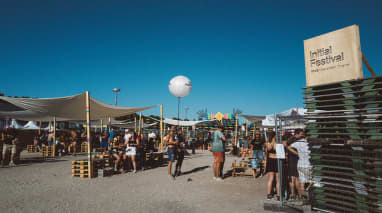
12, 164
214, 178
134, 171
115, 169
269, 197
219, 179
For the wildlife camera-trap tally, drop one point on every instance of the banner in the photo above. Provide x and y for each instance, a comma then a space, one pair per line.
333, 57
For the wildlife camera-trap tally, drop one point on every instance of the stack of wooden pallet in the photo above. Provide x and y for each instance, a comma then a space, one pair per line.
84, 147
243, 169
80, 168
32, 148
48, 151
345, 131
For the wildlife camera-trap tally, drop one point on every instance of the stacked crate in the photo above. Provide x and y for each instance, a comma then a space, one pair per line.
345, 131
48, 151
84, 147
32, 148
80, 168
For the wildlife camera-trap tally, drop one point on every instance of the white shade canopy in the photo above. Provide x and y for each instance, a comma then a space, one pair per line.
64, 109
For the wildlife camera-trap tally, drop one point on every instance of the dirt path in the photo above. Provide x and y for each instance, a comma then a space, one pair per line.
49, 187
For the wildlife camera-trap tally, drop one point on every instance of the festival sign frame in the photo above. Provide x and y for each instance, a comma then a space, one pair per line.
333, 57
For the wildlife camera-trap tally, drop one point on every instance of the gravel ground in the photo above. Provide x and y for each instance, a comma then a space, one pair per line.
47, 186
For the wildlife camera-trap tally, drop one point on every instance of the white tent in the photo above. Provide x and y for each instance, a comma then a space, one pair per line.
183, 123
64, 109
16, 125
269, 120
31, 125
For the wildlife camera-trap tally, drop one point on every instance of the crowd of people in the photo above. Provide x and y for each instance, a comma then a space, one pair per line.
130, 150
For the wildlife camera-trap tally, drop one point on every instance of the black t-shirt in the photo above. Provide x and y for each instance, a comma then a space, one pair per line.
258, 144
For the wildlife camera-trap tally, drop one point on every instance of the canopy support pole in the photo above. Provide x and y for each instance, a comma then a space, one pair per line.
101, 125
140, 123
54, 130
90, 169
236, 139
39, 129
178, 111
109, 124
161, 128
135, 122
246, 127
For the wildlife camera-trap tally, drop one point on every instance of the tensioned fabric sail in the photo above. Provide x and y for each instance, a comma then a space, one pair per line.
64, 108
183, 123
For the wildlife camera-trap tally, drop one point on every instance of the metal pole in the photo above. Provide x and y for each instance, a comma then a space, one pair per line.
178, 111
90, 169
101, 125
116, 95
109, 124
140, 123
279, 166
161, 127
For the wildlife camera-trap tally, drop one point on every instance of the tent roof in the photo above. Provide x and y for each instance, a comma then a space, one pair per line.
183, 123
253, 118
64, 108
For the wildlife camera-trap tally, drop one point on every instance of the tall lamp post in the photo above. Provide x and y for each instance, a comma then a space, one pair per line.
116, 94
180, 86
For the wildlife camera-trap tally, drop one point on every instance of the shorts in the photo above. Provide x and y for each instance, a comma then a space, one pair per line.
9, 146
272, 165
171, 154
131, 151
304, 174
219, 157
258, 154
103, 145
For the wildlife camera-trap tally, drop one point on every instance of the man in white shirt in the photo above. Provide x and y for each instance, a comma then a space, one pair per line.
304, 167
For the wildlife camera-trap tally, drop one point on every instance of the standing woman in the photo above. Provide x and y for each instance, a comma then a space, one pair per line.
171, 146
271, 167
131, 150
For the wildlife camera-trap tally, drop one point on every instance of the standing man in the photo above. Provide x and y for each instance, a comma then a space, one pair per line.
179, 152
218, 150
9, 140
304, 167
257, 147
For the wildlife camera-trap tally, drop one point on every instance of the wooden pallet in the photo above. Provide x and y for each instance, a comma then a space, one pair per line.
84, 147
48, 151
80, 168
32, 148
241, 170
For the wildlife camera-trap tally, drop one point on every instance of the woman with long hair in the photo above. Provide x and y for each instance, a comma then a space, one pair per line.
131, 150
271, 165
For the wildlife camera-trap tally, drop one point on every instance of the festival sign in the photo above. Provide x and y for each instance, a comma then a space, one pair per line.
333, 57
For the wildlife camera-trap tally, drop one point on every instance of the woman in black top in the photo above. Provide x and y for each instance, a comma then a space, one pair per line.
271, 165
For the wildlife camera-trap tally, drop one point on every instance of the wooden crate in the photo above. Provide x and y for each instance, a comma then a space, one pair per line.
48, 151
80, 168
84, 147
243, 169
32, 148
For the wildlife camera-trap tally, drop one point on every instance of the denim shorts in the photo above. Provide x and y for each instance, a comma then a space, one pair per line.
258, 154
171, 154
103, 145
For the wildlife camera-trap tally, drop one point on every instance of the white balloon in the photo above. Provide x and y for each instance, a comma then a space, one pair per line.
180, 86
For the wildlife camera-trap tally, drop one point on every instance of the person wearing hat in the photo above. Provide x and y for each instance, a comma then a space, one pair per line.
218, 150
9, 140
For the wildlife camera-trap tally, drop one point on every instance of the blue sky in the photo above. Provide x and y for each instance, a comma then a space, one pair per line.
238, 54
